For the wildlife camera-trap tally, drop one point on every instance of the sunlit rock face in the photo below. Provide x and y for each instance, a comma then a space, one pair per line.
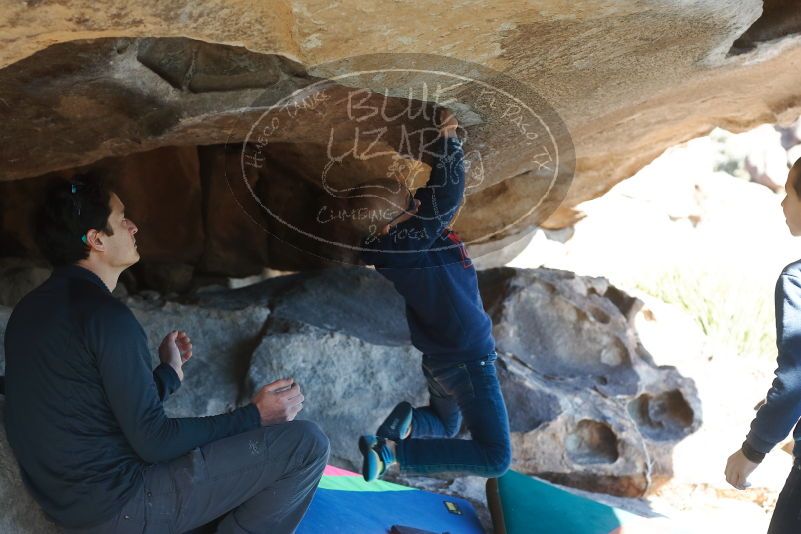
156, 94
579, 381
263, 155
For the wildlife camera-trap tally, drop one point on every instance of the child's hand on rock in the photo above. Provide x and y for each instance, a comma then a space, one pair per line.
446, 122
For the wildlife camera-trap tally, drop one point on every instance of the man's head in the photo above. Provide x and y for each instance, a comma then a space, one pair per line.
82, 219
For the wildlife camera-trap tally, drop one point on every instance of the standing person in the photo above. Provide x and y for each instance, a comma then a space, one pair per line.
782, 408
84, 411
429, 266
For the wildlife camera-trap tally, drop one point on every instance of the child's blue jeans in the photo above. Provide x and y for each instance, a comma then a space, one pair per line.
468, 390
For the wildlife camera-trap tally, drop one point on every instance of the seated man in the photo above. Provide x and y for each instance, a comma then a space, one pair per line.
84, 412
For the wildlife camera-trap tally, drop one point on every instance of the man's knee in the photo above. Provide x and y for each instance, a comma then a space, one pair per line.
311, 436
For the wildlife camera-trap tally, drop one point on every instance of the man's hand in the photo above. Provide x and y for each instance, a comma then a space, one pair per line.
175, 350
279, 401
738, 469
446, 122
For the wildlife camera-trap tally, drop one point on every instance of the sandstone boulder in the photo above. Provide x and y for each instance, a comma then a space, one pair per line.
574, 361
588, 406
350, 384
222, 340
358, 302
575, 376
80, 84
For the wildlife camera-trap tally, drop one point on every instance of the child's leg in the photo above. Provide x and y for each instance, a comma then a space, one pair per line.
441, 418
475, 388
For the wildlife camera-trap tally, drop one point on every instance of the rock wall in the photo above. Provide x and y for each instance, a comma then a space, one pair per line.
588, 406
79, 84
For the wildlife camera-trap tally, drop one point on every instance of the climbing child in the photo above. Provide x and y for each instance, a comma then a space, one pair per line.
430, 268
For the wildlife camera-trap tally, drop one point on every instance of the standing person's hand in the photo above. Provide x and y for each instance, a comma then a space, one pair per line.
738, 469
279, 401
175, 350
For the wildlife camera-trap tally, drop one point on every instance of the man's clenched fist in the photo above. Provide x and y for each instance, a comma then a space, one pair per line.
279, 401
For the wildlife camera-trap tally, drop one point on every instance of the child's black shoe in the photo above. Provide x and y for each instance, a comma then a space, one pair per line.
376, 457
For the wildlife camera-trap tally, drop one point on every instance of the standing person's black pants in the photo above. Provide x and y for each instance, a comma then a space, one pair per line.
265, 478
787, 514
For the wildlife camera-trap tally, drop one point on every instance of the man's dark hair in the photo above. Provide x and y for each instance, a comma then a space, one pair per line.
70, 209
797, 178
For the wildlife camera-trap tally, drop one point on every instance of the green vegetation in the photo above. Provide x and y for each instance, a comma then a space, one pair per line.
734, 309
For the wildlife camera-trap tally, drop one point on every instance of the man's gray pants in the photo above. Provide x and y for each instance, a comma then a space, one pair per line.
263, 480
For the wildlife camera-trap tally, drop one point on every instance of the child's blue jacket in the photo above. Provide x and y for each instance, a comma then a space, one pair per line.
430, 267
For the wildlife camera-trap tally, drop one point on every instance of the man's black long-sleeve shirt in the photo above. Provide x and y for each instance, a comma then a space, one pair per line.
83, 410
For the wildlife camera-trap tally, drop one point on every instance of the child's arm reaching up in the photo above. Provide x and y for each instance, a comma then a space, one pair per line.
436, 204
441, 197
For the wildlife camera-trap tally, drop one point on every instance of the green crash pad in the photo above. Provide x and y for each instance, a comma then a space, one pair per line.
521, 504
